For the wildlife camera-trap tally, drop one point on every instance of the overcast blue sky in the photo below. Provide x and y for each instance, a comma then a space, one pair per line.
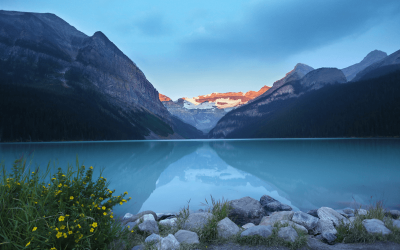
190, 48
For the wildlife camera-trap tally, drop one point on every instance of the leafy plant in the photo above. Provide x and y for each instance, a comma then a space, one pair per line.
70, 212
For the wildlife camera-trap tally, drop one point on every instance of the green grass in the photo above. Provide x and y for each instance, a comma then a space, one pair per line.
356, 233
70, 212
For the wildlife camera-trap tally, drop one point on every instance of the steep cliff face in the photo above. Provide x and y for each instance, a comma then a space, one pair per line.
247, 117
372, 57
45, 53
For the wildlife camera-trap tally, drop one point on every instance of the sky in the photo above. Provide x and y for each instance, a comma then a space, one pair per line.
191, 48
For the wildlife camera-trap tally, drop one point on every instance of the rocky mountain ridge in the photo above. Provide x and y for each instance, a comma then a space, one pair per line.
371, 58
203, 112
44, 52
244, 115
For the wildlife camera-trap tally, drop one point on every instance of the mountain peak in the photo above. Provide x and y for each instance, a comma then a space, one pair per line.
371, 58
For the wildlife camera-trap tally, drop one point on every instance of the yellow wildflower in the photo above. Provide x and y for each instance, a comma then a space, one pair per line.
91, 167
91, 230
94, 224
28, 244
104, 213
34, 229
61, 218
104, 208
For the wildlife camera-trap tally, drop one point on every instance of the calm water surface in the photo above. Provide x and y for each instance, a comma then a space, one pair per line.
163, 175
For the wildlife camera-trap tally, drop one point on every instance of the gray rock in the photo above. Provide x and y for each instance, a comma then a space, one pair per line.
130, 225
327, 213
197, 220
375, 226
226, 228
246, 210
168, 243
325, 226
149, 226
275, 217
184, 236
127, 216
313, 212
271, 205
288, 234
137, 216
153, 237
145, 218
361, 211
264, 231
394, 213
292, 224
169, 222
348, 211
396, 223
306, 220
343, 213
138, 247
163, 216
329, 237
248, 225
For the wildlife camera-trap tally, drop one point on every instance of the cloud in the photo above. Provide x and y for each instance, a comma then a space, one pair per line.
152, 24
274, 30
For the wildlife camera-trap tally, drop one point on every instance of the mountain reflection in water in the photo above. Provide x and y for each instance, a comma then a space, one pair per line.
163, 175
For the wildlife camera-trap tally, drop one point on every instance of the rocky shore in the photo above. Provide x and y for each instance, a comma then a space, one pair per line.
250, 217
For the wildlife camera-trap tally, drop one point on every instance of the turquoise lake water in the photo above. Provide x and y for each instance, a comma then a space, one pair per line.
163, 175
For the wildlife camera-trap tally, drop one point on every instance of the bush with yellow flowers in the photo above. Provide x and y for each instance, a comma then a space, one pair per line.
69, 212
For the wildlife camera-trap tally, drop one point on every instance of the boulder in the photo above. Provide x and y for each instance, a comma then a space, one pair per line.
306, 220
325, 226
168, 243
127, 216
288, 233
292, 224
395, 214
248, 225
149, 226
329, 237
313, 212
184, 236
341, 212
130, 225
327, 213
361, 211
169, 222
264, 231
375, 226
348, 211
226, 228
130, 218
271, 205
153, 237
145, 218
396, 223
197, 220
275, 217
246, 210
163, 216
138, 247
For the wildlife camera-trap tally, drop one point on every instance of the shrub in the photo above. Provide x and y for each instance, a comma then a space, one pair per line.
69, 212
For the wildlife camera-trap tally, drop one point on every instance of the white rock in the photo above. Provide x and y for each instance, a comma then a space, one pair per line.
169, 222
168, 243
361, 211
248, 225
375, 226
327, 213
227, 228
127, 216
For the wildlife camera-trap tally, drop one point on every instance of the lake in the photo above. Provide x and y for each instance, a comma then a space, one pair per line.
164, 175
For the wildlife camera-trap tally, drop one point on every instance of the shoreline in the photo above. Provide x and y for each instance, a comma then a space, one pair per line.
267, 222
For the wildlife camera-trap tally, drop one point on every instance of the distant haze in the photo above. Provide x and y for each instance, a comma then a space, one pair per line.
192, 48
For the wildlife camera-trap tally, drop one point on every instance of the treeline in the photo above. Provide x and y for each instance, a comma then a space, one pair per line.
35, 106
369, 108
